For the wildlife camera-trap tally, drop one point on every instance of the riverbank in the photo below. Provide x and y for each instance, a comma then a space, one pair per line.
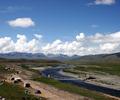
75, 89
99, 78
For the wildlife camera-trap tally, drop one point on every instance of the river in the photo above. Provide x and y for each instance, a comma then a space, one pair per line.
54, 73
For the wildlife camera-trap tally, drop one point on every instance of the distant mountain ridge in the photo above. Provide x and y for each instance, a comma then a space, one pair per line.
100, 58
17, 55
114, 57
20, 55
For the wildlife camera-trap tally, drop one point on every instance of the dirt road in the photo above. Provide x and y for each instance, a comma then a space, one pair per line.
54, 94
47, 91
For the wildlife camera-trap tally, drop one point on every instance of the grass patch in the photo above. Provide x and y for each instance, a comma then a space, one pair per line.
73, 89
15, 92
26, 67
70, 71
3, 70
111, 69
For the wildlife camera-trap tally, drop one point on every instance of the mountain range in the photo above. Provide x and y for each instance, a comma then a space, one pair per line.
114, 57
20, 55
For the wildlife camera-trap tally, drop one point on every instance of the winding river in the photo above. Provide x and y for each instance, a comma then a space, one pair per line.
54, 73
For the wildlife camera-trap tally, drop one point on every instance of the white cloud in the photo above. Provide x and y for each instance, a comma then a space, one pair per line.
6, 44
104, 2
94, 26
81, 45
80, 37
23, 45
21, 22
39, 36
108, 47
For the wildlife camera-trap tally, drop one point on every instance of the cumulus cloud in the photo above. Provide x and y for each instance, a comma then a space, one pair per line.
39, 36
102, 2
81, 45
80, 37
84, 45
109, 46
21, 45
21, 22
6, 44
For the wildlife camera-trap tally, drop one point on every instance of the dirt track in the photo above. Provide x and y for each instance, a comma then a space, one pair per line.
48, 91
54, 94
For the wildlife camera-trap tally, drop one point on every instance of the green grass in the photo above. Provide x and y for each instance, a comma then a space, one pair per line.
73, 89
111, 69
5, 71
39, 61
26, 67
15, 92
75, 72
71, 71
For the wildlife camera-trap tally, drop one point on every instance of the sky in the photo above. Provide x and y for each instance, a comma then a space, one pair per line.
69, 27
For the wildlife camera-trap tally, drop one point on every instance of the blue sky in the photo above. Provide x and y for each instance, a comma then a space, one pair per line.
60, 19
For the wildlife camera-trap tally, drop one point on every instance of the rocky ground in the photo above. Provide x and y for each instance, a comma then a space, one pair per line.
50, 92
47, 91
103, 79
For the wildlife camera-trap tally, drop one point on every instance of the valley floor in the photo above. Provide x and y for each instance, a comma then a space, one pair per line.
47, 91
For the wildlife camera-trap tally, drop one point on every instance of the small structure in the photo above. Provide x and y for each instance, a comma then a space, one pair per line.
49, 76
16, 79
27, 85
7, 68
38, 92
17, 72
1, 98
1, 83
12, 79
90, 78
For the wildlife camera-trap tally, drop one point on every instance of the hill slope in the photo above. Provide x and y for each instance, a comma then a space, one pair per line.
101, 58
